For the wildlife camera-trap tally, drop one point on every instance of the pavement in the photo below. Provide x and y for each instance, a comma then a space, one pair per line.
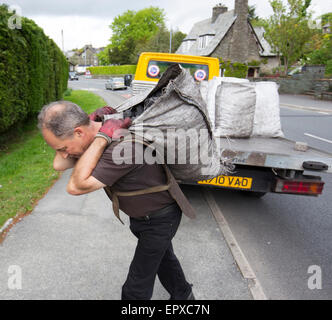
305, 102
73, 247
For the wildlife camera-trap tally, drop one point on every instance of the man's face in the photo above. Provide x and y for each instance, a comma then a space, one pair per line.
73, 146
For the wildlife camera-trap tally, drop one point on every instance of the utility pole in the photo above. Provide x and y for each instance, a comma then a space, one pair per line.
63, 46
170, 41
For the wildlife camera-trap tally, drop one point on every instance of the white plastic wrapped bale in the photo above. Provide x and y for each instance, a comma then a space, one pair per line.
208, 91
235, 109
233, 79
267, 111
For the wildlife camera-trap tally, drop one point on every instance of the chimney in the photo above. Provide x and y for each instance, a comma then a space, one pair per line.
218, 10
240, 39
241, 8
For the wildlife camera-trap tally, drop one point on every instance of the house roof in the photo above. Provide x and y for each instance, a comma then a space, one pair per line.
219, 29
267, 49
70, 53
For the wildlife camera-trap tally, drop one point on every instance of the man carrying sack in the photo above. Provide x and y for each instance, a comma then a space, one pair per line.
147, 193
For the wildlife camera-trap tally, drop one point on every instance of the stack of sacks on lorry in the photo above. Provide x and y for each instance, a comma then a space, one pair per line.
238, 108
267, 110
174, 119
208, 91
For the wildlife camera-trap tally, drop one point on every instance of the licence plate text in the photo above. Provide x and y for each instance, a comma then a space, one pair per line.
229, 181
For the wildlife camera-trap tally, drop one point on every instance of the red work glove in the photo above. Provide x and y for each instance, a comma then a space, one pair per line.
115, 128
99, 113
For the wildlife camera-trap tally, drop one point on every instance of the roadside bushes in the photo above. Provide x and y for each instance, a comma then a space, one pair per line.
33, 70
328, 70
113, 70
234, 69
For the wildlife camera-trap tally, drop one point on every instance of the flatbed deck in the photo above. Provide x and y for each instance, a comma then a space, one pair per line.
276, 153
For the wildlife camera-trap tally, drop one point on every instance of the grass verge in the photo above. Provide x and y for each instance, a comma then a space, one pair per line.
26, 170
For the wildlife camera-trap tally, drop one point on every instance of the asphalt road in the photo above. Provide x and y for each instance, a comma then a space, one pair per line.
285, 236
98, 86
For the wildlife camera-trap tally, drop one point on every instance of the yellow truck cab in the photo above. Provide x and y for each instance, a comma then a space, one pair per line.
151, 66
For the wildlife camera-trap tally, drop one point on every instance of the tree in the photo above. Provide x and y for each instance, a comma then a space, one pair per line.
177, 39
255, 20
323, 54
288, 29
252, 13
326, 18
132, 29
161, 41
104, 56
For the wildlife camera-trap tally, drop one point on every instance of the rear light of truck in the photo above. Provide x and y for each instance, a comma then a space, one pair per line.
299, 187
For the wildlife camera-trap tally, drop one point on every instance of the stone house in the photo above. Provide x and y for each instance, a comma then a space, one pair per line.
87, 56
230, 35
327, 28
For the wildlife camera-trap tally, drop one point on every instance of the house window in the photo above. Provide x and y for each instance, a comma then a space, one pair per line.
204, 40
187, 45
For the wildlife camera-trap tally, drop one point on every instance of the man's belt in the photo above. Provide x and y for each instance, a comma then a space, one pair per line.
160, 213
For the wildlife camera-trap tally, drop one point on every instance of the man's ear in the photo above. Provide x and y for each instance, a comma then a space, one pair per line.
79, 132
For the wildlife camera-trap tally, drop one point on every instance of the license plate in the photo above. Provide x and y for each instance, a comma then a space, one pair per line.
229, 181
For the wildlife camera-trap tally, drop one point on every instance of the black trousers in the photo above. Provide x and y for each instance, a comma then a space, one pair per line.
154, 255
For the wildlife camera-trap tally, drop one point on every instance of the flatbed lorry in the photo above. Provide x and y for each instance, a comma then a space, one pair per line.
261, 164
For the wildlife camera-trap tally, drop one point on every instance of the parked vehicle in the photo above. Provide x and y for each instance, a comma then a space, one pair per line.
115, 83
128, 78
296, 70
261, 164
73, 76
151, 66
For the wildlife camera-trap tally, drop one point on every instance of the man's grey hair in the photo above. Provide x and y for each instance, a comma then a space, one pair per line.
62, 120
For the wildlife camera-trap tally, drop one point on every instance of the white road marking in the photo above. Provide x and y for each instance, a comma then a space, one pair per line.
244, 266
319, 138
306, 108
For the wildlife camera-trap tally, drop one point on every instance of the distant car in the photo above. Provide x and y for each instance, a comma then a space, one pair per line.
115, 83
296, 70
73, 76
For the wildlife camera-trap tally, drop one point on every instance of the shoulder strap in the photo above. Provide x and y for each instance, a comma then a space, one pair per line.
113, 194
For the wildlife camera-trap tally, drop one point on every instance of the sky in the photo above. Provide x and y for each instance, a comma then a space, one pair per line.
87, 22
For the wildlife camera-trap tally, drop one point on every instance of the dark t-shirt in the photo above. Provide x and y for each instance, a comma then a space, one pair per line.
132, 176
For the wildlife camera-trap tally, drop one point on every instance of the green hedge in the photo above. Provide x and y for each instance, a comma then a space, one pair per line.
109, 70
234, 69
328, 70
33, 70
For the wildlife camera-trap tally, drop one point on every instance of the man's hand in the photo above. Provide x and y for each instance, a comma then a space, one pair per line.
61, 164
99, 113
115, 128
